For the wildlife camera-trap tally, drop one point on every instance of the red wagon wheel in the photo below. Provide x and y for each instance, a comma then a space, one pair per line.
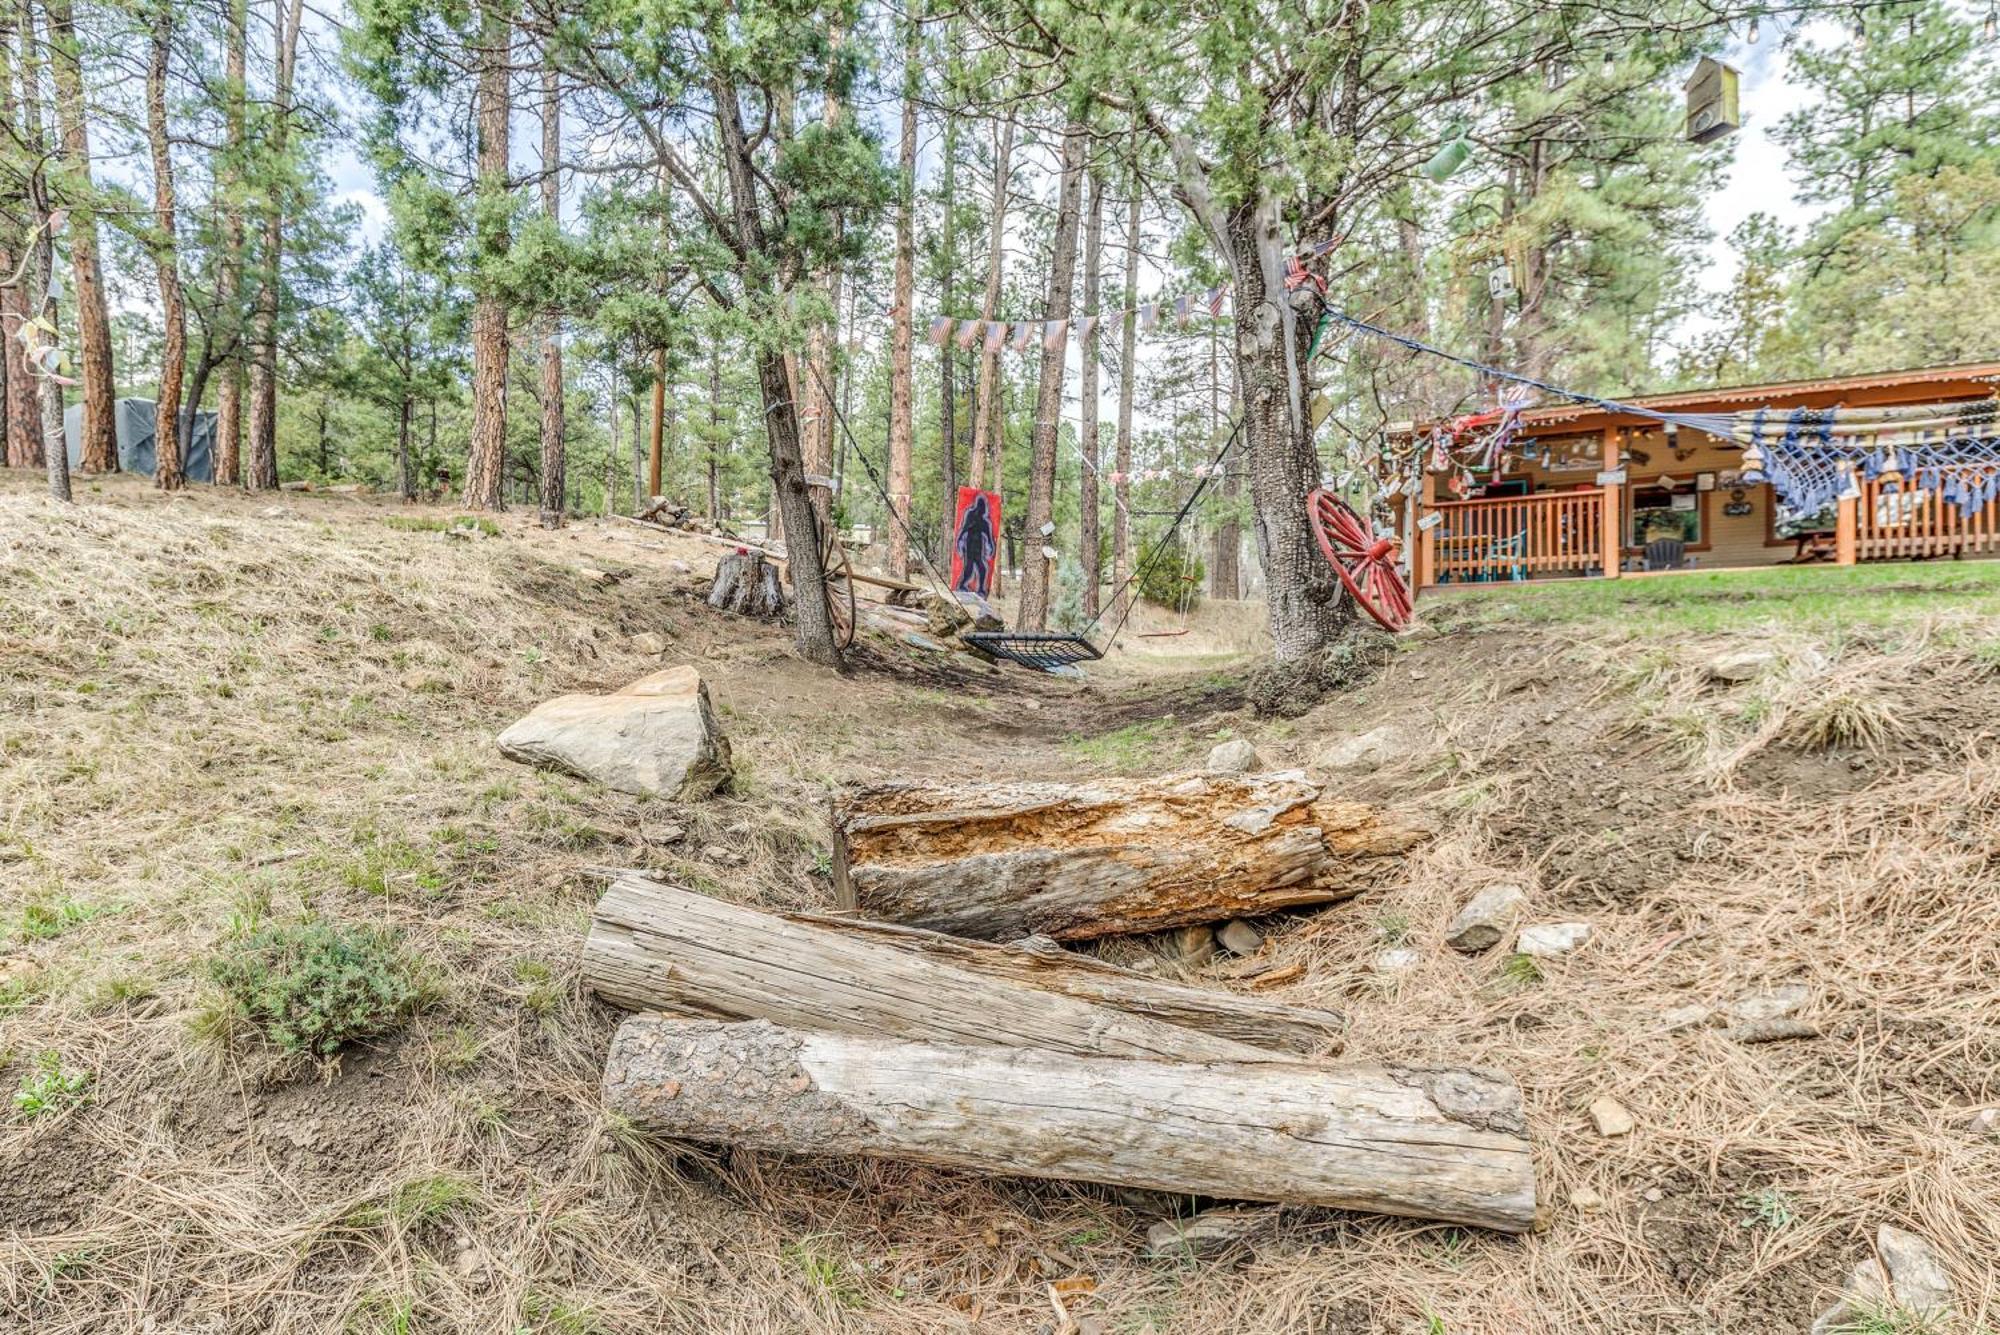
1365, 563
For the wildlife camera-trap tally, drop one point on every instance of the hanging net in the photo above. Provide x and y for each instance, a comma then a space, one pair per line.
1809, 455
1045, 651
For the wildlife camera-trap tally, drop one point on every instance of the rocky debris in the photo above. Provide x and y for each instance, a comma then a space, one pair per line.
1239, 937
1773, 1004
656, 737
1369, 751
1489, 916
1904, 1277
680, 567
945, 619
1233, 757
1194, 945
1770, 1031
1399, 960
1583, 1198
1208, 1234
1552, 939
1610, 1117
649, 642
1741, 665
1683, 1018
1985, 1122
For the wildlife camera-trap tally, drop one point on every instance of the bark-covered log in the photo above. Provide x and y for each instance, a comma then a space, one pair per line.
656, 947
1424, 1142
1073, 861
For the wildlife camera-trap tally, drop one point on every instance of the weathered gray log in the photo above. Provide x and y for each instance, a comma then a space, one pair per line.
1424, 1142
655, 947
1074, 861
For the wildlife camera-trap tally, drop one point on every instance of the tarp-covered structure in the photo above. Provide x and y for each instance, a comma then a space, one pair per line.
135, 420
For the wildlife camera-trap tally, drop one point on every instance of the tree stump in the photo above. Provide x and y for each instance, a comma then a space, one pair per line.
747, 584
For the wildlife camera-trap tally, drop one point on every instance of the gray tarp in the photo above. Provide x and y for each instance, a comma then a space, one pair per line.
135, 418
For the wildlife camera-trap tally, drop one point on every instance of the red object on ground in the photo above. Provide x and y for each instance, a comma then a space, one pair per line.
1365, 563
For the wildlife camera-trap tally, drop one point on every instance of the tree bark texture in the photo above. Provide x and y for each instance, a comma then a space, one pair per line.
99, 452
263, 432
746, 584
997, 861
1424, 1142
1037, 569
229, 271
486, 463
1089, 534
22, 427
1128, 351
656, 947
985, 421
166, 258
554, 483
901, 427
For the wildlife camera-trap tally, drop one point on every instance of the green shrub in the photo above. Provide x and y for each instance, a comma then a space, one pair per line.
311, 987
51, 1089
1170, 575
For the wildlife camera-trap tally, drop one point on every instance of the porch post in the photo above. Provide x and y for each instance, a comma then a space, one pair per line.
1847, 531
1614, 542
1423, 556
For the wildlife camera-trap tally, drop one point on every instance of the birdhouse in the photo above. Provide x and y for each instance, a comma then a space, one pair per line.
1712, 111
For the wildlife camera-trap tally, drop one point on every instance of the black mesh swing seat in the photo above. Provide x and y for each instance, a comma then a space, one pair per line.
1046, 651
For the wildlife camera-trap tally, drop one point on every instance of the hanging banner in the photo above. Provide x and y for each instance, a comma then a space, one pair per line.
968, 334
975, 544
940, 330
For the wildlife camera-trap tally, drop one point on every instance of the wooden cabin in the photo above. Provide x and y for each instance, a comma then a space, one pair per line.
1587, 492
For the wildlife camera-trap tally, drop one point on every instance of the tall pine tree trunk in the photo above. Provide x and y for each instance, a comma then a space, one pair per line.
1121, 465
486, 464
1089, 538
1036, 567
23, 418
715, 513
816, 374
947, 363
166, 257
229, 271
553, 479
986, 418
406, 476
263, 467
900, 424
1224, 578
100, 389
55, 451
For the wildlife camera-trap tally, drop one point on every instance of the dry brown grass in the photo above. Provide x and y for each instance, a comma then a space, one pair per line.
207, 715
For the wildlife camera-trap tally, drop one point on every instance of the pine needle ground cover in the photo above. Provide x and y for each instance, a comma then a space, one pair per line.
224, 718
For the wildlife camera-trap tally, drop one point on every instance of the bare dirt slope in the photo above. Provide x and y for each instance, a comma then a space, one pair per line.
218, 711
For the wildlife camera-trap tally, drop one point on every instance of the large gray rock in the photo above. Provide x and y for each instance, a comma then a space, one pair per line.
657, 737
1908, 1280
1232, 757
1369, 751
1489, 915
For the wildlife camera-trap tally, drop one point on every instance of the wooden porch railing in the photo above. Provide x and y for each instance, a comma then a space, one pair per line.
1909, 524
1513, 537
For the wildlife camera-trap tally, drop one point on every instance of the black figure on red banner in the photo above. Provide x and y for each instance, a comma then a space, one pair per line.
977, 542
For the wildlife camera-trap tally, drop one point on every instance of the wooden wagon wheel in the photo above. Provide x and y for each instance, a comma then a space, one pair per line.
1365, 563
838, 577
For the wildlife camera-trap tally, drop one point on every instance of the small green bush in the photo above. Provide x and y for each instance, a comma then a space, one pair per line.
51, 1089
1171, 575
311, 987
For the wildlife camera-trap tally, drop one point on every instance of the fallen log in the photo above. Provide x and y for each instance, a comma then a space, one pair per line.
1074, 861
656, 947
1429, 1143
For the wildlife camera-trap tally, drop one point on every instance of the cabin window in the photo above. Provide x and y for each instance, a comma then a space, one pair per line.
1665, 510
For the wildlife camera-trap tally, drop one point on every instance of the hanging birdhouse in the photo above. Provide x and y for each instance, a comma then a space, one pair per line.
1712, 111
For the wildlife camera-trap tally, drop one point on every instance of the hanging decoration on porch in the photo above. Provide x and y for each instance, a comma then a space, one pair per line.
1812, 456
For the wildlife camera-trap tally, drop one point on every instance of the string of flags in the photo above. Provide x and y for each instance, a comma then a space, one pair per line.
993, 336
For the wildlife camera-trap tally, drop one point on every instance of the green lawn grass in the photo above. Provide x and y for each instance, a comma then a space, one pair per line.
1807, 598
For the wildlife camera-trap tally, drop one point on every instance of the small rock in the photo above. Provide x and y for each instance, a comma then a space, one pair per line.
1741, 665
466, 1263
1774, 1004
1985, 1122
1487, 918
1903, 1278
1209, 1233
274, 512
663, 835
1654, 1195
1770, 1031
1194, 945
680, 567
1551, 939
1233, 757
1683, 1018
1369, 751
649, 642
1583, 1198
1400, 960
1610, 1117
1240, 938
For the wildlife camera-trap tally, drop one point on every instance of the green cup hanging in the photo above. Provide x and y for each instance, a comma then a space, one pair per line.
1454, 154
